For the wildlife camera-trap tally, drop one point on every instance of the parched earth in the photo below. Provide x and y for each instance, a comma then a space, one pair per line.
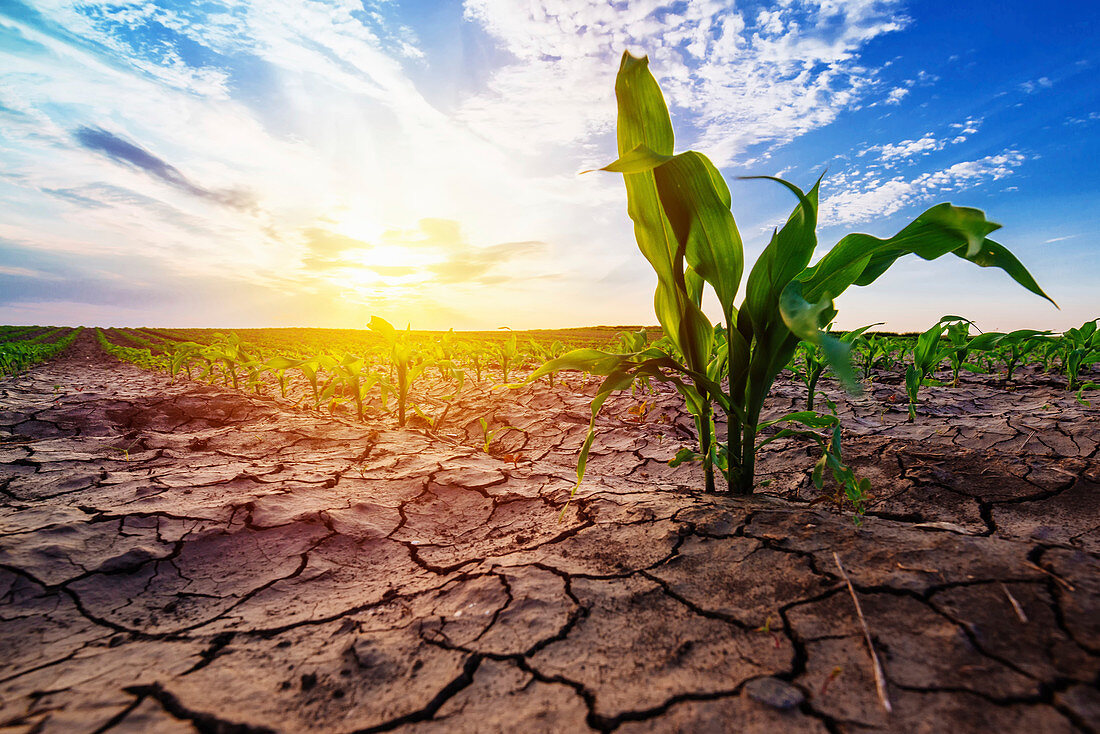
179, 557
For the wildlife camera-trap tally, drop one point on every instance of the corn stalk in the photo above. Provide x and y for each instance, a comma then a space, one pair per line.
680, 206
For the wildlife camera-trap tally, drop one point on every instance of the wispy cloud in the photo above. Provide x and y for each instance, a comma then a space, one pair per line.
99, 140
891, 154
1035, 85
474, 266
322, 155
866, 196
896, 95
749, 81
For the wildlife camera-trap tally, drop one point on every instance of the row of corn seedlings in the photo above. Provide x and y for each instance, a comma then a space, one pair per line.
16, 356
141, 356
381, 377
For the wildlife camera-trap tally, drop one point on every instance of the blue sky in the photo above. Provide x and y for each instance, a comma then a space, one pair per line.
311, 163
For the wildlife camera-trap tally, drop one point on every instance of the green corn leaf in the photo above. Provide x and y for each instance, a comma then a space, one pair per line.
804, 321
614, 381
638, 160
383, 327
810, 418
696, 202
643, 121
984, 342
592, 361
782, 260
281, 363
860, 259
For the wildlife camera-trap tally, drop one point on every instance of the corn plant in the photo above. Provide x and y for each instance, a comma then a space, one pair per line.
16, 356
509, 356
354, 374
442, 354
809, 362
143, 358
958, 347
631, 341
1012, 348
1080, 348
544, 353
278, 365
680, 206
873, 351
928, 355
401, 355
453, 373
1046, 354
472, 354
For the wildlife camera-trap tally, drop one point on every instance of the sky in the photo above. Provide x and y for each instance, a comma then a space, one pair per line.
316, 162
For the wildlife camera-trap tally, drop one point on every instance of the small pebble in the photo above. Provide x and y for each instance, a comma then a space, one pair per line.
774, 692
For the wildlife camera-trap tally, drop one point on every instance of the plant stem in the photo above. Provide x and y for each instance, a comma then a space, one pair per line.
402, 392
747, 471
706, 445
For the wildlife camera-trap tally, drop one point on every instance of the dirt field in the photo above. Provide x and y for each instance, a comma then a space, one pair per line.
179, 557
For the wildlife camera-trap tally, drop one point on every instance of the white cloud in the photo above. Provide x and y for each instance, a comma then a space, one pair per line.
893, 154
1033, 86
344, 141
896, 95
744, 81
863, 197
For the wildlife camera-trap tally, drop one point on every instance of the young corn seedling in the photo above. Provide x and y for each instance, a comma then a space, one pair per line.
509, 356
458, 376
1080, 348
1013, 348
357, 380
489, 434
401, 358
958, 347
278, 366
872, 351
680, 206
472, 355
809, 362
632, 341
928, 354
545, 353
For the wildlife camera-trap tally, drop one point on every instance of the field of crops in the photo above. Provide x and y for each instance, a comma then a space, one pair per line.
763, 524
233, 529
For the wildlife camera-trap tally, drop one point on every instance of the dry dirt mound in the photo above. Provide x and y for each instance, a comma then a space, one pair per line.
179, 557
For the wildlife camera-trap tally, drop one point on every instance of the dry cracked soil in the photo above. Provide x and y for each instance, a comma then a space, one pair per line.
179, 556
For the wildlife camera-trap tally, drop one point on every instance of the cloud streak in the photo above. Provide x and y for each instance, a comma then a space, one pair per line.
98, 140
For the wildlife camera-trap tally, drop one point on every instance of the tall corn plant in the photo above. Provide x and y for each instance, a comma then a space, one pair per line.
680, 207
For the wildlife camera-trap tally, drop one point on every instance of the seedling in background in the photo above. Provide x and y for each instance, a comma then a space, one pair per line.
1080, 348
809, 362
680, 206
508, 353
927, 357
543, 354
278, 366
638, 411
400, 353
1013, 347
451, 373
487, 434
959, 345
356, 379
